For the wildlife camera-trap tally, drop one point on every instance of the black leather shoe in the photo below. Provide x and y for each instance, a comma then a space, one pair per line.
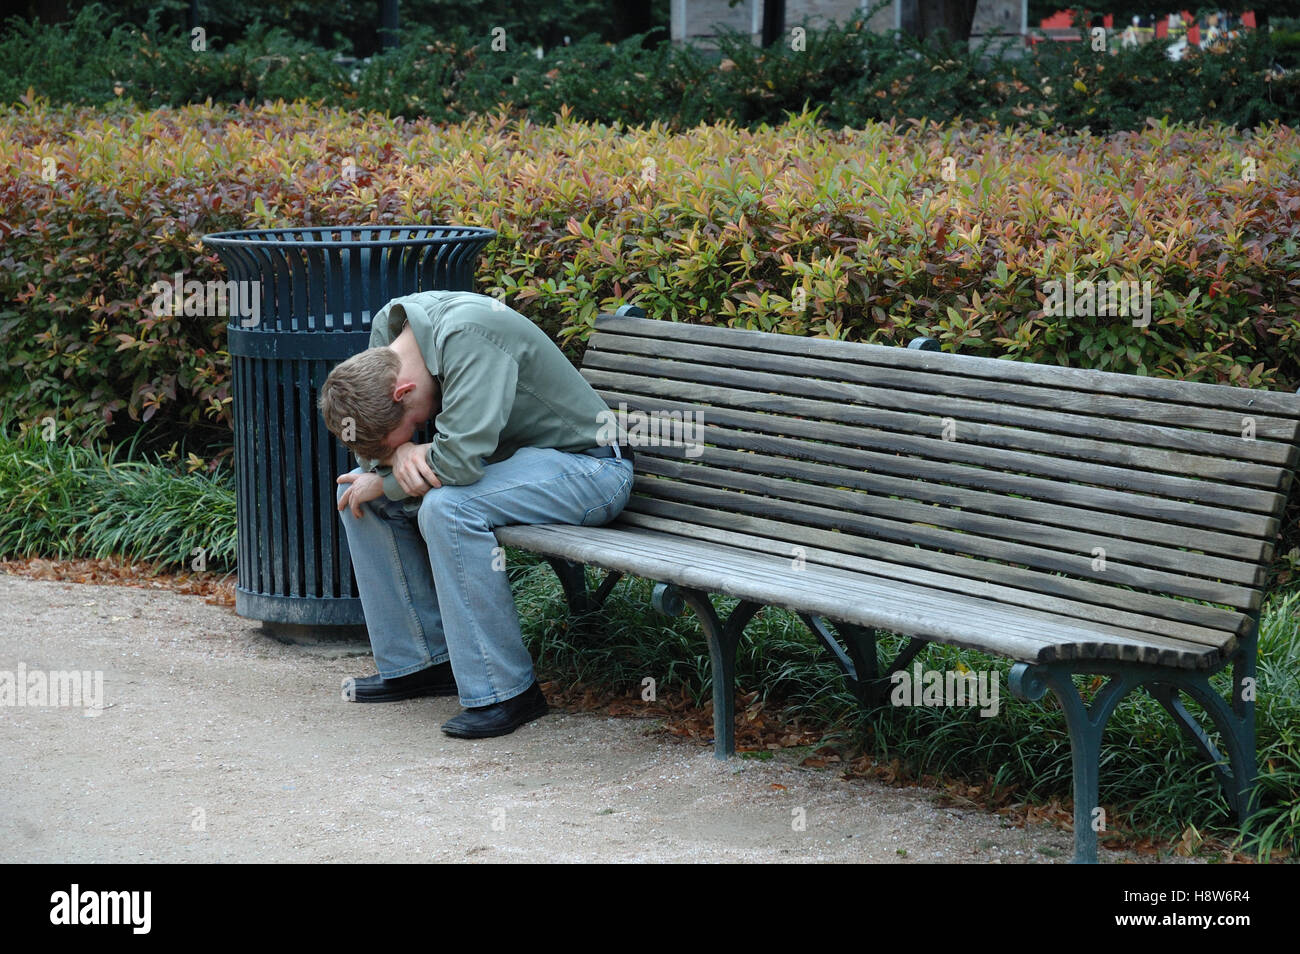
484, 722
434, 681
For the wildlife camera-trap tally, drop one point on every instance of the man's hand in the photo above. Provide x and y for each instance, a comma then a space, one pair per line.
411, 468
364, 487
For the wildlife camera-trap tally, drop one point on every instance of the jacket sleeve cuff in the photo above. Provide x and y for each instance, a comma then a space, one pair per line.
454, 473
392, 489
448, 475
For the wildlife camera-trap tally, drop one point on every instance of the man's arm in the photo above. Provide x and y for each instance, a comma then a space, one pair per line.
381, 335
412, 470
478, 392
392, 489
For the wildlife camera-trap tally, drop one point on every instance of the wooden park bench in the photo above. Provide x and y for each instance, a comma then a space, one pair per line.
1074, 521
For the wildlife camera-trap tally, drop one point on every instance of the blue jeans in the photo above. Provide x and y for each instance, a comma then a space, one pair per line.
432, 580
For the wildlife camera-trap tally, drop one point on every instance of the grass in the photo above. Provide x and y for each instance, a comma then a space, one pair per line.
67, 501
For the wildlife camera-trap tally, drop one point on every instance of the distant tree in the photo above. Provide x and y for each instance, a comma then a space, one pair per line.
925, 17
47, 11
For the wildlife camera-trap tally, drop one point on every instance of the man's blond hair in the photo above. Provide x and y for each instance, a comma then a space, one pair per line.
357, 403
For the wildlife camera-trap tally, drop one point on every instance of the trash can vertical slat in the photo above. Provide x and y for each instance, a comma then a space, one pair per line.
243, 475
292, 430
274, 411
261, 464
334, 287
357, 288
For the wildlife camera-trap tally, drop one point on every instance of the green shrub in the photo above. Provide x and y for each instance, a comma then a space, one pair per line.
67, 500
716, 224
449, 73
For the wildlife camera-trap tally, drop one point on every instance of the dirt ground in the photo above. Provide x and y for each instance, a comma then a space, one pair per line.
217, 743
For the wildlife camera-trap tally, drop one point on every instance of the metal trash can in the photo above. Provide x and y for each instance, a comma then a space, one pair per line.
316, 291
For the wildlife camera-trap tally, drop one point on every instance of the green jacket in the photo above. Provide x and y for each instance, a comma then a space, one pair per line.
505, 384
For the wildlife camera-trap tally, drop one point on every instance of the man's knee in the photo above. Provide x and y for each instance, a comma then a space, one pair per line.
446, 507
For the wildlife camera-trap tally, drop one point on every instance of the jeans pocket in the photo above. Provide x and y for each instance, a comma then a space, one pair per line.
614, 504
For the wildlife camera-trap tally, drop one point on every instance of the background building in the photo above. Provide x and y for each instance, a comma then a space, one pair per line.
695, 20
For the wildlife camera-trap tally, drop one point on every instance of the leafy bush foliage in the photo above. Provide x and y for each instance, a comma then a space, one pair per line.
850, 234
449, 73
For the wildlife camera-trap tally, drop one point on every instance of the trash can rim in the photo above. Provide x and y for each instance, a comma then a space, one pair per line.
287, 237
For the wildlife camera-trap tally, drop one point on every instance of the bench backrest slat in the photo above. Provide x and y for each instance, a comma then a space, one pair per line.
1103, 383
1078, 561
730, 431
1076, 451
898, 406
649, 394
971, 512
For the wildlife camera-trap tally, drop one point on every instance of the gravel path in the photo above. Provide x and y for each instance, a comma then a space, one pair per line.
217, 743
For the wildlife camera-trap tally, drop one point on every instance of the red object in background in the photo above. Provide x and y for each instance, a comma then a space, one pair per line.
1248, 19
1060, 20
1194, 34
1187, 17
1162, 28
1108, 21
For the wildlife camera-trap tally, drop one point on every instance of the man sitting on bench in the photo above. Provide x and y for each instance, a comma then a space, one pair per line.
516, 443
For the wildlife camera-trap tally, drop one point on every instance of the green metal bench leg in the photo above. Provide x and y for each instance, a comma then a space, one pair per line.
723, 639
861, 664
1241, 743
1236, 773
1085, 725
573, 579
1235, 721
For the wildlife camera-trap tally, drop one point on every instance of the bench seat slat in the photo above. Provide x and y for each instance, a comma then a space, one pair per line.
716, 570
1220, 396
1025, 634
